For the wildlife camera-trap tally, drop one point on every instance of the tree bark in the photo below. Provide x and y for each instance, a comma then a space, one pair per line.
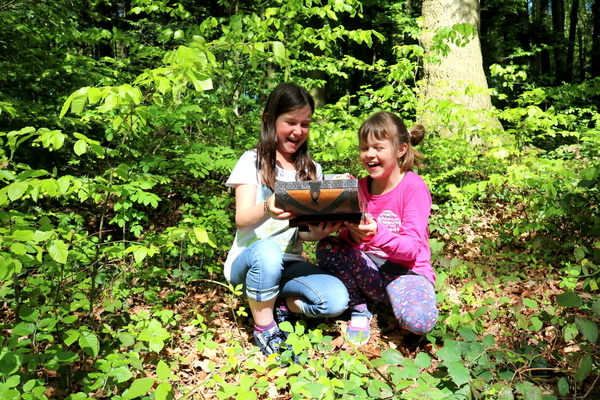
558, 31
457, 76
540, 37
596, 39
574, 19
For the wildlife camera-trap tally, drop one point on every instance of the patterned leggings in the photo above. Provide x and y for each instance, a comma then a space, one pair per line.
412, 296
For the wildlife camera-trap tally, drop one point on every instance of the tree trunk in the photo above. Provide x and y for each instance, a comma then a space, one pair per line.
574, 19
540, 37
457, 76
558, 31
596, 39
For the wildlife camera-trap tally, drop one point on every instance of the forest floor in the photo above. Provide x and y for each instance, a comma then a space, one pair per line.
479, 284
216, 303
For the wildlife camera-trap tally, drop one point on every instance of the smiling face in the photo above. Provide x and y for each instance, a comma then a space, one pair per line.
292, 129
380, 158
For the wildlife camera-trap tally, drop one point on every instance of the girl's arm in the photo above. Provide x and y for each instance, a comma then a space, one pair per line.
248, 215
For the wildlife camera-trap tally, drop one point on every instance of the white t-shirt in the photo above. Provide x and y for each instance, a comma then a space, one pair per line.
246, 172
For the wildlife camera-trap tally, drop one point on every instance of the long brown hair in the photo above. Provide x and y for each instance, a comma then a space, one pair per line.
386, 125
284, 98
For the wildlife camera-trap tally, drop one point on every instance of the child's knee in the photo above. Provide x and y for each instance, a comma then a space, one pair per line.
419, 319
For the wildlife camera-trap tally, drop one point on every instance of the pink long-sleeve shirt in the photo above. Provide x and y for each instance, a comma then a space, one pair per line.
402, 217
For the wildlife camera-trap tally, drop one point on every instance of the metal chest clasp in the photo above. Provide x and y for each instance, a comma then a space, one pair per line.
315, 191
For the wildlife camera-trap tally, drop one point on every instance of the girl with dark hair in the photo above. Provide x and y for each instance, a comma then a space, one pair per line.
387, 257
266, 256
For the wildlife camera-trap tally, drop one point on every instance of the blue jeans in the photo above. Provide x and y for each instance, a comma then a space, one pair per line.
264, 274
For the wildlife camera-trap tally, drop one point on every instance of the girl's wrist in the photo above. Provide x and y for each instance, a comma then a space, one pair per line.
266, 206
354, 239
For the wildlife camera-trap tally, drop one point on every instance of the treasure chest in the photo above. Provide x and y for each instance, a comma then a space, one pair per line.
333, 200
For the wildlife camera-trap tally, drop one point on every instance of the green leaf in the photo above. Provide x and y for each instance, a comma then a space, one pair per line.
588, 328
458, 372
65, 106
140, 253
569, 299
529, 391
203, 236
52, 139
164, 391
423, 360
596, 307
79, 99
488, 341
392, 357
156, 344
155, 335
536, 324
94, 95
18, 248
80, 147
563, 386
139, 387
121, 374
163, 84
163, 372
506, 393
10, 363
585, 367
110, 102
59, 251
530, 303
29, 314
570, 331
63, 183
24, 329
203, 84
8, 267
126, 339
70, 319
89, 343
467, 334
316, 390
70, 336
409, 370
67, 356
480, 312
16, 190
378, 389
49, 187
6, 175
579, 253
450, 352
278, 50
29, 385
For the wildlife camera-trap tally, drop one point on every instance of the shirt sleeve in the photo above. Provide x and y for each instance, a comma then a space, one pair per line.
245, 171
319, 171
